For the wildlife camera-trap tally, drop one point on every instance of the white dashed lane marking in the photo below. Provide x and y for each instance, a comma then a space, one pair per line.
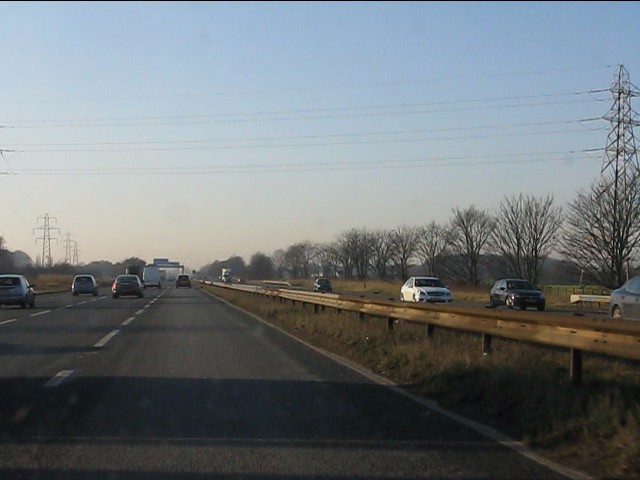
40, 313
60, 377
9, 321
106, 339
127, 321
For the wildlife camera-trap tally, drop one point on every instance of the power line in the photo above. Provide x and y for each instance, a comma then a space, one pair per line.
307, 88
301, 137
211, 118
295, 145
323, 166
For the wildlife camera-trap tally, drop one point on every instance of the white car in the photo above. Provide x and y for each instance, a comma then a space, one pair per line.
425, 289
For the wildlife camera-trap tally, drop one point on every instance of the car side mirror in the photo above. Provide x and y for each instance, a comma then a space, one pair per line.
502, 288
32, 285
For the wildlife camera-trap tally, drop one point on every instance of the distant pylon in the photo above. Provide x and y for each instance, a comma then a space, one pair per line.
67, 247
46, 259
75, 253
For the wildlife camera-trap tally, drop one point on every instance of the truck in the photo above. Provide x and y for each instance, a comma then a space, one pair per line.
152, 276
226, 275
134, 270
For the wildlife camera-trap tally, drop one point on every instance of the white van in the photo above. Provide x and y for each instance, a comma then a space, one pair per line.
151, 276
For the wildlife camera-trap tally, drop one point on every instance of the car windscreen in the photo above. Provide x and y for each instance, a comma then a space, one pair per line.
520, 285
9, 282
428, 282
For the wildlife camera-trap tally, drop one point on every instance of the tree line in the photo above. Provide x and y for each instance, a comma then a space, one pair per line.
597, 234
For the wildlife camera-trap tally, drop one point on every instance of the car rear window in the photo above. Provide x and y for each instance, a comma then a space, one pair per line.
9, 282
128, 279
83, 280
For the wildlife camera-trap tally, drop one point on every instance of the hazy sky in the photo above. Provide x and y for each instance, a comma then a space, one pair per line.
197, 131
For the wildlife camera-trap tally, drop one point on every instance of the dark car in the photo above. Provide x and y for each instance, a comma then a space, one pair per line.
84, 284
322, 285
183, 281
127, 285
625, 301
15, 290
516, 293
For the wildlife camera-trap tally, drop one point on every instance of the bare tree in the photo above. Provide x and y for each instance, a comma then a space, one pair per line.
327, 257
278, 258
470, 230
381, 252
405, 241
602, 230
433, 243
525, 234
294, 260
261, 266
347, 246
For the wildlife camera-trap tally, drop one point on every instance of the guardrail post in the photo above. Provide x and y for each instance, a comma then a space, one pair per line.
361, 315
575, 369
304, 305
430, 327
486, 344
316, 307
322, 307
390, 322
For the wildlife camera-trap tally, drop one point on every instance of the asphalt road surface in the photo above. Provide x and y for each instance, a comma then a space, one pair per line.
180, 385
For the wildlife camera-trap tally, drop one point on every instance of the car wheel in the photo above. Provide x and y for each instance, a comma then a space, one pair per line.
509, 302
75, 294
492, 304
523, 306
33, 303
23, 304
115, 295
401, 297
616, 312
540, 308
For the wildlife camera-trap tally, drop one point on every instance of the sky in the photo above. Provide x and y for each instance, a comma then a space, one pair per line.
198, 131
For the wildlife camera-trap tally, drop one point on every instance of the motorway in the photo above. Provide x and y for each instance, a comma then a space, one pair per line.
180, 385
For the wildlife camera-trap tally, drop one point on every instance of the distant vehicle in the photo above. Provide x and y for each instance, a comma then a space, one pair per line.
226, 275
151, 276
516, 293
15, 290
134, 270
425, 289
625, 301
84, 283
183, 280
322, 285
125, 285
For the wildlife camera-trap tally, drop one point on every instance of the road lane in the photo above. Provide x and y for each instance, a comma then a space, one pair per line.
191, 388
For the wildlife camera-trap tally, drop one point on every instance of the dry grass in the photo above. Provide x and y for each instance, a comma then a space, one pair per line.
521, 389
50, 282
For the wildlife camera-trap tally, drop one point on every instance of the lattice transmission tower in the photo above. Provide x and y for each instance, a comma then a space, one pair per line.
621, 154
68, 247
620, 167
46, 259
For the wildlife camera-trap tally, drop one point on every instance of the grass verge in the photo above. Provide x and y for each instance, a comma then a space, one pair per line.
520, 389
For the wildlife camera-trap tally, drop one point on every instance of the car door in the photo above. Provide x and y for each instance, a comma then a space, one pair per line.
406, 291
500, 291
631, 300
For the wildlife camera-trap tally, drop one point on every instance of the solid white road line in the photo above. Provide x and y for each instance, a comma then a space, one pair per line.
106, 339
39, 313
60, 377
9, 321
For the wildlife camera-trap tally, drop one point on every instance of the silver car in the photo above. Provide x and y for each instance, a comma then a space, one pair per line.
625, 301
15, 290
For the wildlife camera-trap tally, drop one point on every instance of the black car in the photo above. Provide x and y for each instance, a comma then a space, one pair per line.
322, 285
516, 293
127, 285
183, 281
